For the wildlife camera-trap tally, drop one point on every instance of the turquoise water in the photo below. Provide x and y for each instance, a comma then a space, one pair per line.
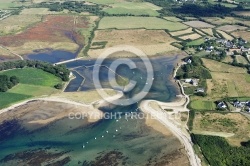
122, 141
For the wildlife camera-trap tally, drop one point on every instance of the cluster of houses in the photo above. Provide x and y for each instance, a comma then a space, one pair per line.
231, 46
236, 104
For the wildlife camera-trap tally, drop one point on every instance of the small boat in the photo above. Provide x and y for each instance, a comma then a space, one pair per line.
83, 146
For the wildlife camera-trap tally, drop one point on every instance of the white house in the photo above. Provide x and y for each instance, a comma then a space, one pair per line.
195, 82
222, 105
200, 90
188, 80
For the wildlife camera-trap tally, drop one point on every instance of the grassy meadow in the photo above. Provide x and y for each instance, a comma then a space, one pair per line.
5, 4
227, 81
202, 105
139, 22
234, 126
134, 8
33, 83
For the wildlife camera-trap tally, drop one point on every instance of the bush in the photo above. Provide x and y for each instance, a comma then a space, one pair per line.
59, 86
200, 94
7, 83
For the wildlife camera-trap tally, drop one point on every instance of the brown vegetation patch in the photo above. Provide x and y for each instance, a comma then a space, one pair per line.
230, 28
243, 34
51, 29
191, 36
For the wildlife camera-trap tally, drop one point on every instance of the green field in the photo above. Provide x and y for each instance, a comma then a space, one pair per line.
4, 4
241, 59
139, 22
174, 19
133, 8
202, 105
196, 42
33, 83
103, 1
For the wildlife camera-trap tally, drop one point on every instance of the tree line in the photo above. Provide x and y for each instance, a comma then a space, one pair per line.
71, 6
7, 82
60, 70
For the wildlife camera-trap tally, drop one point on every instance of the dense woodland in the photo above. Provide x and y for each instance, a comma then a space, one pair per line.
198, 9
219, 153
7, 83
60, 71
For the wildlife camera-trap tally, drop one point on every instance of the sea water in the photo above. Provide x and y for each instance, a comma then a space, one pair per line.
124, 141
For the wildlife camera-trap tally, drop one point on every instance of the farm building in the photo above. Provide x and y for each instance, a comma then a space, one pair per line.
221, 105
188, 80
200, 90
195, 82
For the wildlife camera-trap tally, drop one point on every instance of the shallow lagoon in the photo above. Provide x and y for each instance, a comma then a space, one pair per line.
127, 142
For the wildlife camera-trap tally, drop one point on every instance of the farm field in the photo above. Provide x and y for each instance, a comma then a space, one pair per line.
16, 23
225, 35
226, 20
134, 8
242, 13
174, 19
7, 4
178, 33
208, 31
33, 83
221, 67
202, 105
235, 123
200, 32
149, 41
139, 22
230, 28
219, 21
105, 1
198, 24
241, 59
243, 34
201, 53
228, 59
191, 36
196, 42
